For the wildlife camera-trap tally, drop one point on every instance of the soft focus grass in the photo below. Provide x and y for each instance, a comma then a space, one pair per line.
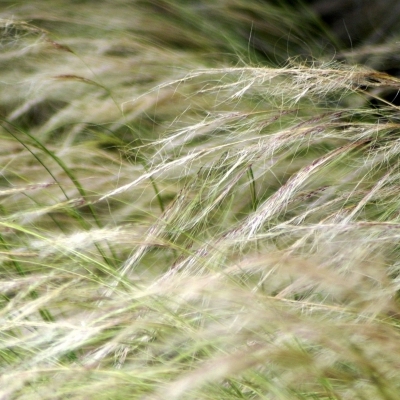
188, 211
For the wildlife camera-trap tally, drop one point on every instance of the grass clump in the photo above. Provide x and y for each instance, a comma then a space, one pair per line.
177, 226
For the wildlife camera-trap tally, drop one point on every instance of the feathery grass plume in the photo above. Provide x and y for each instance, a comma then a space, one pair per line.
173, 226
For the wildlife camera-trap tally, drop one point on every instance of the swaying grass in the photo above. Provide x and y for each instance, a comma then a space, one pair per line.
176, 225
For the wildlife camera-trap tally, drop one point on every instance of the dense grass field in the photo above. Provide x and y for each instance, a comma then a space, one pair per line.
198, 200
